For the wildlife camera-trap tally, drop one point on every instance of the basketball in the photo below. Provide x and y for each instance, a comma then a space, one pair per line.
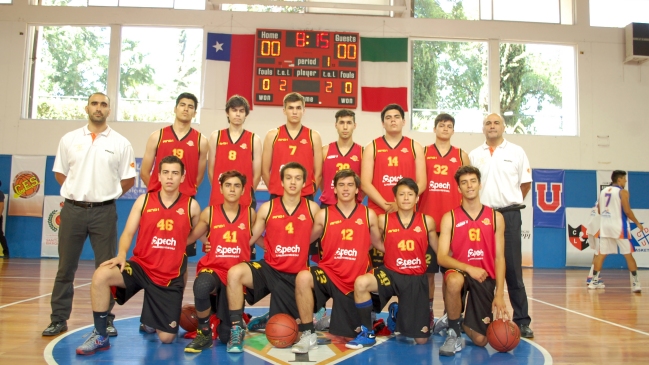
281, 330
188, 318
503, 335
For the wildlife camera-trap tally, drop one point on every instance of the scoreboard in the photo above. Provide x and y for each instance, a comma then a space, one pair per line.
322, 66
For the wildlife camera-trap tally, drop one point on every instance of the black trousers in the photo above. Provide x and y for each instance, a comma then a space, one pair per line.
3, 239
514, 272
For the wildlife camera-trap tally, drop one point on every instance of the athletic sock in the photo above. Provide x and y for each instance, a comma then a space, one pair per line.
365, 311
455, 325
101, 320
590, 273
595, 275
302, 327
204, 324
236, 317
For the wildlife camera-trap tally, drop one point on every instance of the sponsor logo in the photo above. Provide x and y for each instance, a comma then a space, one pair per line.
302, 217
424, 329
132, 165
359, 222
578, 237
486, 222
379, 151
439, 186
460, 224
453, 159
417, 229
244, 146
219, 226
408, 264
111, 152
207, 271
287, 250
303, 141
166, 243
486, 320
335, 222
405, 150
280, 216
331, 157
554, 202
354, 158
282, 139
345, 254
180, 211
190, 143
54, 220
393, 230
475, 254
227, 251
391, 180
173, 324
242, 226
26, 184
431, 158
167, 140
152, 210
223, 143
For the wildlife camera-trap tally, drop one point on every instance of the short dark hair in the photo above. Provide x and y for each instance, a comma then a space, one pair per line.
189, 96
98, 93
616, 175
345, 113
392, 107
443, 118
344, 173
172, 159
232, 173
408, 182
466, 170
237, 101
292, 165
293, 97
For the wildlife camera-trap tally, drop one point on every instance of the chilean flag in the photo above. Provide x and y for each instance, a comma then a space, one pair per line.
229, 57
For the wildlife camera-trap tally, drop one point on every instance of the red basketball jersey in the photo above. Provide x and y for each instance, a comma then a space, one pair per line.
230, 241
287, 149
405, 247
473, 242
288, 236
162, 237
390, 166
441, 194
233, 155
345, 245
187, 148
334, 162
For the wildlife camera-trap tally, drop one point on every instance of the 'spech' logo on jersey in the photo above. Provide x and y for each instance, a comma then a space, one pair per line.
190, 143
475, 254
166, 243
417, 229
354, 158
302, 217
242, 226
287, 250
345, 254
408, 264
359, 222
180, 211
228, 251
391, 180
486, 222
244, 146
433, 185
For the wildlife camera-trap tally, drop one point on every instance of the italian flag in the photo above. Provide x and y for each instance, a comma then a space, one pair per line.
384, 73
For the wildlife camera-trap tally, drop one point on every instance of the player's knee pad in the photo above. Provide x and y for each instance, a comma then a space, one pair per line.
203, 285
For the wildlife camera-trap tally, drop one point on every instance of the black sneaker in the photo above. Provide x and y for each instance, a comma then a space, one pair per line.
55, 328
526, 331
201, 342
110, 328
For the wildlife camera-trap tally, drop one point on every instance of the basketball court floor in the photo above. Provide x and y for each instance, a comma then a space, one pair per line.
572, 325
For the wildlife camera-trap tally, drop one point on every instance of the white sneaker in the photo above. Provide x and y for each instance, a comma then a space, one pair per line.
308, 341
453, 344
596, 284
635, 286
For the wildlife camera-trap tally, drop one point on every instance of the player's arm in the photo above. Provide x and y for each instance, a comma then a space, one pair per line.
466, 161
60, 178
260, 223
525, 188
126, 169
325, 151
211, 155
420, 167
132, 224
443, 249
525, 175
256, 161
367, 173
149, 156
318, 225
626, 206
432, 233
200, 227
202, 159
317, 158
499, 308
375, 232
267, 156
61, 166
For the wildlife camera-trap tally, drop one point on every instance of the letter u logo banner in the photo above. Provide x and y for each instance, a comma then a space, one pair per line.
548, 198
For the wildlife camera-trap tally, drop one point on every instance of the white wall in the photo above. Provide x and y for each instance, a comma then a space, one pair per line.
613, 98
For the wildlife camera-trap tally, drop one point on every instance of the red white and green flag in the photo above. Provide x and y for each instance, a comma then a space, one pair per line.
384, 73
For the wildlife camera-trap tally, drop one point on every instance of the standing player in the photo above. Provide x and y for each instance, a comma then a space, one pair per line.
472, 248
235, 148
340, 155
288, 221
163, 220
406, 237
3, 239
441, 193
228, 231
94, 165
292, 142
346, 229
614, 231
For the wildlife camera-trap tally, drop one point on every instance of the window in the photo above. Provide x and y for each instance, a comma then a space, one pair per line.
605, 13
170, 4
5, 1
355, 7
544, 11
447, 9
537, 89
264, 8
449, 77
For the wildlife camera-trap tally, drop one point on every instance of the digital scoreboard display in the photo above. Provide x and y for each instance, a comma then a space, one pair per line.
322, 66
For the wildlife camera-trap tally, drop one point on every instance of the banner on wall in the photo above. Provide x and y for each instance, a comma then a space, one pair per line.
549, 203
138, 188
51, 223
27, 186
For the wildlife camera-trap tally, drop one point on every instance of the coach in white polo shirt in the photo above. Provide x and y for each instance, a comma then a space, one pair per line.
94, 166
506, 180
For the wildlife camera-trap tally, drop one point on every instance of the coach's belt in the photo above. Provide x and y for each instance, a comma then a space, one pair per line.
511, 208
89, 204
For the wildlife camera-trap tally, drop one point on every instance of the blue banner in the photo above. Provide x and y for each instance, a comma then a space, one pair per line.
548, 198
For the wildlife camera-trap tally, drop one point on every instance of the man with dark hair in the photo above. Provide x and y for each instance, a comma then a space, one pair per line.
471, 247
614, 231
441, 193
406, 236
3, 239
163, 221
345, 237
228, 227
287, 220
235, 148
94, 165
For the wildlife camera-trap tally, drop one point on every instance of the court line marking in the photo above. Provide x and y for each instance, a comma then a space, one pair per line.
38, 297
589, 316
547, 357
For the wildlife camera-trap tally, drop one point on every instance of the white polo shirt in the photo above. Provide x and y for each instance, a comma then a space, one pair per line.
94, 169
502, 173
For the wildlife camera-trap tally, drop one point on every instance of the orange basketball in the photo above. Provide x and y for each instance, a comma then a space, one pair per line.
503, 335
188, 318
281, 330
26, 184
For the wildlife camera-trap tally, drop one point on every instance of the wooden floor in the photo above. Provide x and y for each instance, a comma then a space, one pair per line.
574, 324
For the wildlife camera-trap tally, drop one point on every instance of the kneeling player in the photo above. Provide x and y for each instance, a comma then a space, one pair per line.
228, 226
346, 230
471, 246
406, 237
163, 220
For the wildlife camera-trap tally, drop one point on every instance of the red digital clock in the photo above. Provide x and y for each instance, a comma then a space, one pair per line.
322, 66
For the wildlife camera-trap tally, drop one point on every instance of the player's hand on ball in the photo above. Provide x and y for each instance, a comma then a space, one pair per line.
499, 308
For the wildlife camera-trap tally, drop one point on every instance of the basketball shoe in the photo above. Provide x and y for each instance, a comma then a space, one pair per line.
308, 341
259, 322
94, 343
635, 284
364, 339
236, 339
596, 284
201, 342
321, 320
441, 324
453, 344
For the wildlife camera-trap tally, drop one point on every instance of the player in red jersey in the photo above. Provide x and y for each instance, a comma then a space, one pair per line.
292, 142
406, 236
288, 221
347, 229
340, 155
235, 148
163, 221
441, 193
472, 247
228, 226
